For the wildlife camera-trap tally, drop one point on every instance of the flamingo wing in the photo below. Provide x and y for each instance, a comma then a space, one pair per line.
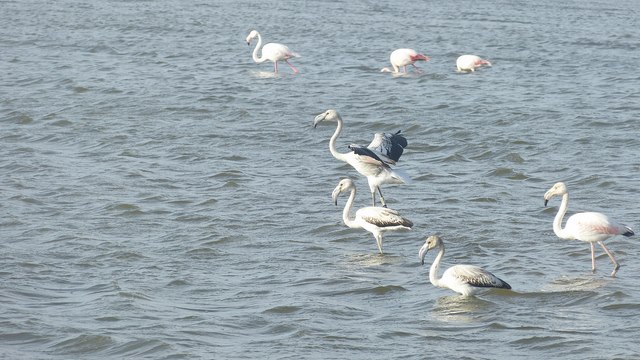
402, 57
382, 217
475, 276
594, 226
390, 146
368, 155
276, 51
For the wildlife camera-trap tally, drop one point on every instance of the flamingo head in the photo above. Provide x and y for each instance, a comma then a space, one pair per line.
418, 57
343, 185
482, 62
432, 241
251, 36
329, 115
558, 189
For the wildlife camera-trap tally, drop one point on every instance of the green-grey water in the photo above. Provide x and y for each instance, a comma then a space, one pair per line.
164, 197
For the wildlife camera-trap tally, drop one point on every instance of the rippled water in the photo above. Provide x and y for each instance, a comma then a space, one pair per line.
165, 197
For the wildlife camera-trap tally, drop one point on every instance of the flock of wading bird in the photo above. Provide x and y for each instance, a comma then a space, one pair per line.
375, 162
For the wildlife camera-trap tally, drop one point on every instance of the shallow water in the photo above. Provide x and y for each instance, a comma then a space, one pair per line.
165, 197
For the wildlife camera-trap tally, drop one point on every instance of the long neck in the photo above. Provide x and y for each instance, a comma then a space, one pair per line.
557, 221
347, 209
255, 51
433, 272
332, 142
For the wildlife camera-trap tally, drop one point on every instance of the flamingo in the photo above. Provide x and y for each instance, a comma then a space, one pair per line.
402, 58
470, 62
271, 51
372, 161
592, 227
375, 220
464, 279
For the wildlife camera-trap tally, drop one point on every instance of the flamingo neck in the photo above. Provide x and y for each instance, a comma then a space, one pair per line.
433, 272
347, 209
332, 143
396, 69
557, 221
255, 51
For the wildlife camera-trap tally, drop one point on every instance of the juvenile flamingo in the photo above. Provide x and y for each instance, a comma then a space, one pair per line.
271, 51
592, 227
375, 220
470, 62
463, 279
372, 161
403, 57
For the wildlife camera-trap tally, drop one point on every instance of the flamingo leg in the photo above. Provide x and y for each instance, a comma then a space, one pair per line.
379, 242
384, 203
292, 67
616, 266
417, 68
593, 257
275, 66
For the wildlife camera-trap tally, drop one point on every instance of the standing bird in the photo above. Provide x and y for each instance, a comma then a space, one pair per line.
470, 62
464, 279
592, 227
402, 58
375, 220
372, 161
271, 51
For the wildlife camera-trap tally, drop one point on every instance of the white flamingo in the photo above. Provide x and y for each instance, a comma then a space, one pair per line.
470, 62
271, 51
375, 220
463, 279
592, 227
400, 58
372, 161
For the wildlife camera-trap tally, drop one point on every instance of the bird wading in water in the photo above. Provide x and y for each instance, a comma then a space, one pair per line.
375, 220
591, 227
463, 279
373, 161
271, 51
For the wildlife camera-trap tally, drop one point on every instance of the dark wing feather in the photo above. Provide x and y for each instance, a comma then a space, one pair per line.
383, 217
478, 277
389, 145
363, 151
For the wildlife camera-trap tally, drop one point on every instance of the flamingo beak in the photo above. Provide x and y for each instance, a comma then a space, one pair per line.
334, 195
423, 251
547, 196
318, 119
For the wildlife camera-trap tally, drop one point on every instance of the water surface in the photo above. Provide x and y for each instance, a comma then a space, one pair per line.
164, 197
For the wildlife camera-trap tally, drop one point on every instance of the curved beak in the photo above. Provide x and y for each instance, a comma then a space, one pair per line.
318, 119
547, 196
423, 251
334, 195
